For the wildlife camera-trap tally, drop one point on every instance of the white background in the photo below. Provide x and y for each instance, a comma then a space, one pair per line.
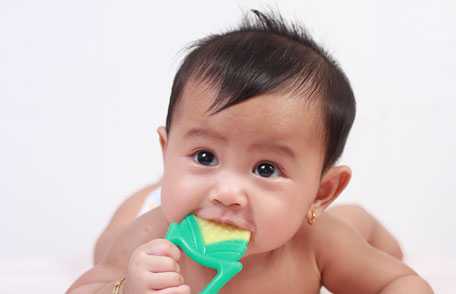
84, 85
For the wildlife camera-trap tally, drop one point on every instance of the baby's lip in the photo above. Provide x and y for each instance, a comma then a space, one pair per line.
236, 223
233, 221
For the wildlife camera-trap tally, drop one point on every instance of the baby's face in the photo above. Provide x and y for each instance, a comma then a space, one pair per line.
256, 164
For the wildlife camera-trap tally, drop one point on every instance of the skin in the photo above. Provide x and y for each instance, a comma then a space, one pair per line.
286, 253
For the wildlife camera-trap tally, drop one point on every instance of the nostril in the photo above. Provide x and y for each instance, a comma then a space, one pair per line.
218, 202
228, 199
235, 205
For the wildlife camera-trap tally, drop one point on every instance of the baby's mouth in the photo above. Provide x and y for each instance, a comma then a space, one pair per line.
229, 222
236, 222
228, 226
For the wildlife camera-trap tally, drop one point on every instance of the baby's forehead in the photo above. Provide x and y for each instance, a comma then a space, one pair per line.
275, 115
203, 96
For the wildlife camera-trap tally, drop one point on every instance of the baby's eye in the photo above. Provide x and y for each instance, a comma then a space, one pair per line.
266, 170
205, 157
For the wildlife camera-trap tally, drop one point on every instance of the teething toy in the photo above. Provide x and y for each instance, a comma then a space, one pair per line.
214, 245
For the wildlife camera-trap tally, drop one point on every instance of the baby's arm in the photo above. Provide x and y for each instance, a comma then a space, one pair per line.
348, 264
153, 267
115, 265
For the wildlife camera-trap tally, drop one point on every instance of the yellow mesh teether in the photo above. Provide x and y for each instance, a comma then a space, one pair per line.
214, 232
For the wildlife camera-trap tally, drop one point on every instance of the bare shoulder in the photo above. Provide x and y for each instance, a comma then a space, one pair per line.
328, 233
346, 261
323, 236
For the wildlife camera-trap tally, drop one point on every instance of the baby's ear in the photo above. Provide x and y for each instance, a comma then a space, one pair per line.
163, 139
332, 184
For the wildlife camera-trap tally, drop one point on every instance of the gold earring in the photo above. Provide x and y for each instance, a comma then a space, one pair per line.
311, 216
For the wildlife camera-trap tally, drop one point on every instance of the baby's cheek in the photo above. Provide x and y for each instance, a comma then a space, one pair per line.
278, 231
173, 210
173, 200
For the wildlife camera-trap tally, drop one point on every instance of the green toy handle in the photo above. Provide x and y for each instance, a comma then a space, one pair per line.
225, 272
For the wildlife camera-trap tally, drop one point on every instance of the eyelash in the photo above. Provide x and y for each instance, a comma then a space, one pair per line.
276, 165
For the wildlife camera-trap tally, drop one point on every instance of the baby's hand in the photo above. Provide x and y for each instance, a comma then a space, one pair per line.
153, 268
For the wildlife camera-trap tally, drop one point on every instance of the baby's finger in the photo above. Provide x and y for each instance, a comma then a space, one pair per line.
157, 281
162, 247
157, 264
183, 289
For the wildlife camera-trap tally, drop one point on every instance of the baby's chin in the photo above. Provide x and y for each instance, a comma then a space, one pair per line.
253, 253
258, 246
255, 248
250, 252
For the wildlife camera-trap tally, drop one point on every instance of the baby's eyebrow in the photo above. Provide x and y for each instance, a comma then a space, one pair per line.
276, 147
198, 132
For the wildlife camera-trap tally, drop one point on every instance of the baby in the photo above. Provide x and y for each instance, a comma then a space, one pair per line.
257, 119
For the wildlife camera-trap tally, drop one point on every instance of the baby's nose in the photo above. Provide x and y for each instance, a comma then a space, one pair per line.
233, 198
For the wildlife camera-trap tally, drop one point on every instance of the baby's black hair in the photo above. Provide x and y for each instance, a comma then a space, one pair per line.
266, 56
